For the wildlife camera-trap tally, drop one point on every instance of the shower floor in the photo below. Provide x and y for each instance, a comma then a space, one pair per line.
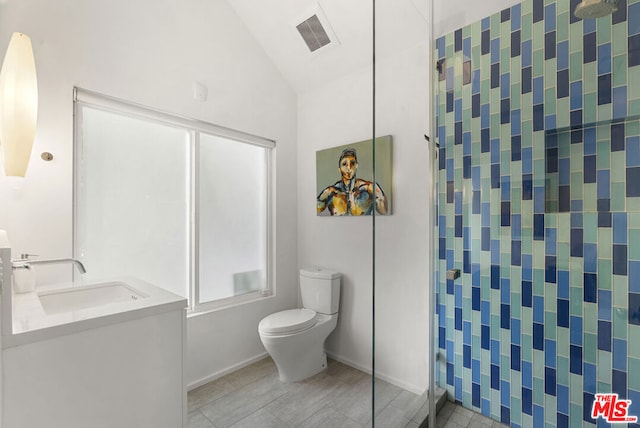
452, 415
340, 397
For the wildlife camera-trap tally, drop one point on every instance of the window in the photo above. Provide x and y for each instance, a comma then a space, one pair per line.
182, 204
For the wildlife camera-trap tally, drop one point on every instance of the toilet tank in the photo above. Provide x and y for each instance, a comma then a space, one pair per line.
320, 290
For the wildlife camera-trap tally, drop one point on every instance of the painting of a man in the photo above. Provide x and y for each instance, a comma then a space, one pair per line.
351, 195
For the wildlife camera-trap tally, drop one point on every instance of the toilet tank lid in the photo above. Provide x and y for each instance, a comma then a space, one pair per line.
319, 273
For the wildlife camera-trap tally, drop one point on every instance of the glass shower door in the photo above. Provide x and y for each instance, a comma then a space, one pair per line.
401, 236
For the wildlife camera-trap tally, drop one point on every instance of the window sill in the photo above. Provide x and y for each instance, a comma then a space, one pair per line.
229, 303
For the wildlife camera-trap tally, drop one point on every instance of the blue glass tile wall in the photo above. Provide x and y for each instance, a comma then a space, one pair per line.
538, 205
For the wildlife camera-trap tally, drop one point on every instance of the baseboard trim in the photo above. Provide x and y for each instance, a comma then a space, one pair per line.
219, 374
392, 380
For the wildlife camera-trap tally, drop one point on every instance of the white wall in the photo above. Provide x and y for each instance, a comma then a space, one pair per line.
339, 113
151, 52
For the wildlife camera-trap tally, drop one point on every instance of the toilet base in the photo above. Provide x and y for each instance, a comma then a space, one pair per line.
309, 363
300, 355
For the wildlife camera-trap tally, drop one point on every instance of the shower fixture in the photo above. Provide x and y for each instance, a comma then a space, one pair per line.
589, 9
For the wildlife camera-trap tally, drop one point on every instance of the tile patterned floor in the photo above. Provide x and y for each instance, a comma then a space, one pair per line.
339, 397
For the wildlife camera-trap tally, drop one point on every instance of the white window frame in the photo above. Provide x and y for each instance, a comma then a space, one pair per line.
83, 97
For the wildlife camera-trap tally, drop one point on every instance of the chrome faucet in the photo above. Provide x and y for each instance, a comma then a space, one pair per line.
26, 262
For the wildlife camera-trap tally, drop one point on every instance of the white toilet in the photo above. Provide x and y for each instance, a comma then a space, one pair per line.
295, 338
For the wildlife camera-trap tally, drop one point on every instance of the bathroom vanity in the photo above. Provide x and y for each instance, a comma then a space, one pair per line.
104, 354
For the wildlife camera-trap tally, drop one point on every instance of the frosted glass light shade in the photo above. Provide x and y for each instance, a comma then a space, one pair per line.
18, 105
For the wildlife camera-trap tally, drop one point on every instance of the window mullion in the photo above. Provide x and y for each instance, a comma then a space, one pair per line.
194, 282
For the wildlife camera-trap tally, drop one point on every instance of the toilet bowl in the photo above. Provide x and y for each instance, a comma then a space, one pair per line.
299, 354
295, 338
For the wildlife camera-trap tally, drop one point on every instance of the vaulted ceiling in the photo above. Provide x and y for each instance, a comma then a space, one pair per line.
400, 24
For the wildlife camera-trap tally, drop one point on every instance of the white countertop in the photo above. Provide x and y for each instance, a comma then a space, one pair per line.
31, 323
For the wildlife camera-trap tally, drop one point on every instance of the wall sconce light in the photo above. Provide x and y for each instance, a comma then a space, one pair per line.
18, 105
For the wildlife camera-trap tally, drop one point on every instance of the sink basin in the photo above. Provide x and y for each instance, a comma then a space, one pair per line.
84, 297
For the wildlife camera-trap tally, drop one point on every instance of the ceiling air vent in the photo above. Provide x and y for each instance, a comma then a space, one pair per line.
313, 33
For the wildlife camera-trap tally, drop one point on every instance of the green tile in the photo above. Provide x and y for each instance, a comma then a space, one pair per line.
575, 37
538, 35
562, 10
634, 345
577, 179
575, 390
634, 244
538, 62
603, 31
538, 281
505, 60
633, 204
605, 112
603, 158
562, 31
590, 220
618, 197
505, 364
538, 384
619, 39
550, 68
495, 124
590, 316
603, 386
590, 80
603, 370
618, 174
605, 248
564, 249
633, 381
575, 415
619, 70
633, 90
485, 385
576, 272
495, 404
449, 50
495, 324
604, 274
633, 220
495, 25
516, 410
620, 323
485, 86
466, 397
575, 301
620, 291
550, 410
515, 95
562, 113
590, 346
562, 371
590, 110
575, 65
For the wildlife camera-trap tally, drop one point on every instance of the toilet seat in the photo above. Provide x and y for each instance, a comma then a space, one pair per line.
288, 322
